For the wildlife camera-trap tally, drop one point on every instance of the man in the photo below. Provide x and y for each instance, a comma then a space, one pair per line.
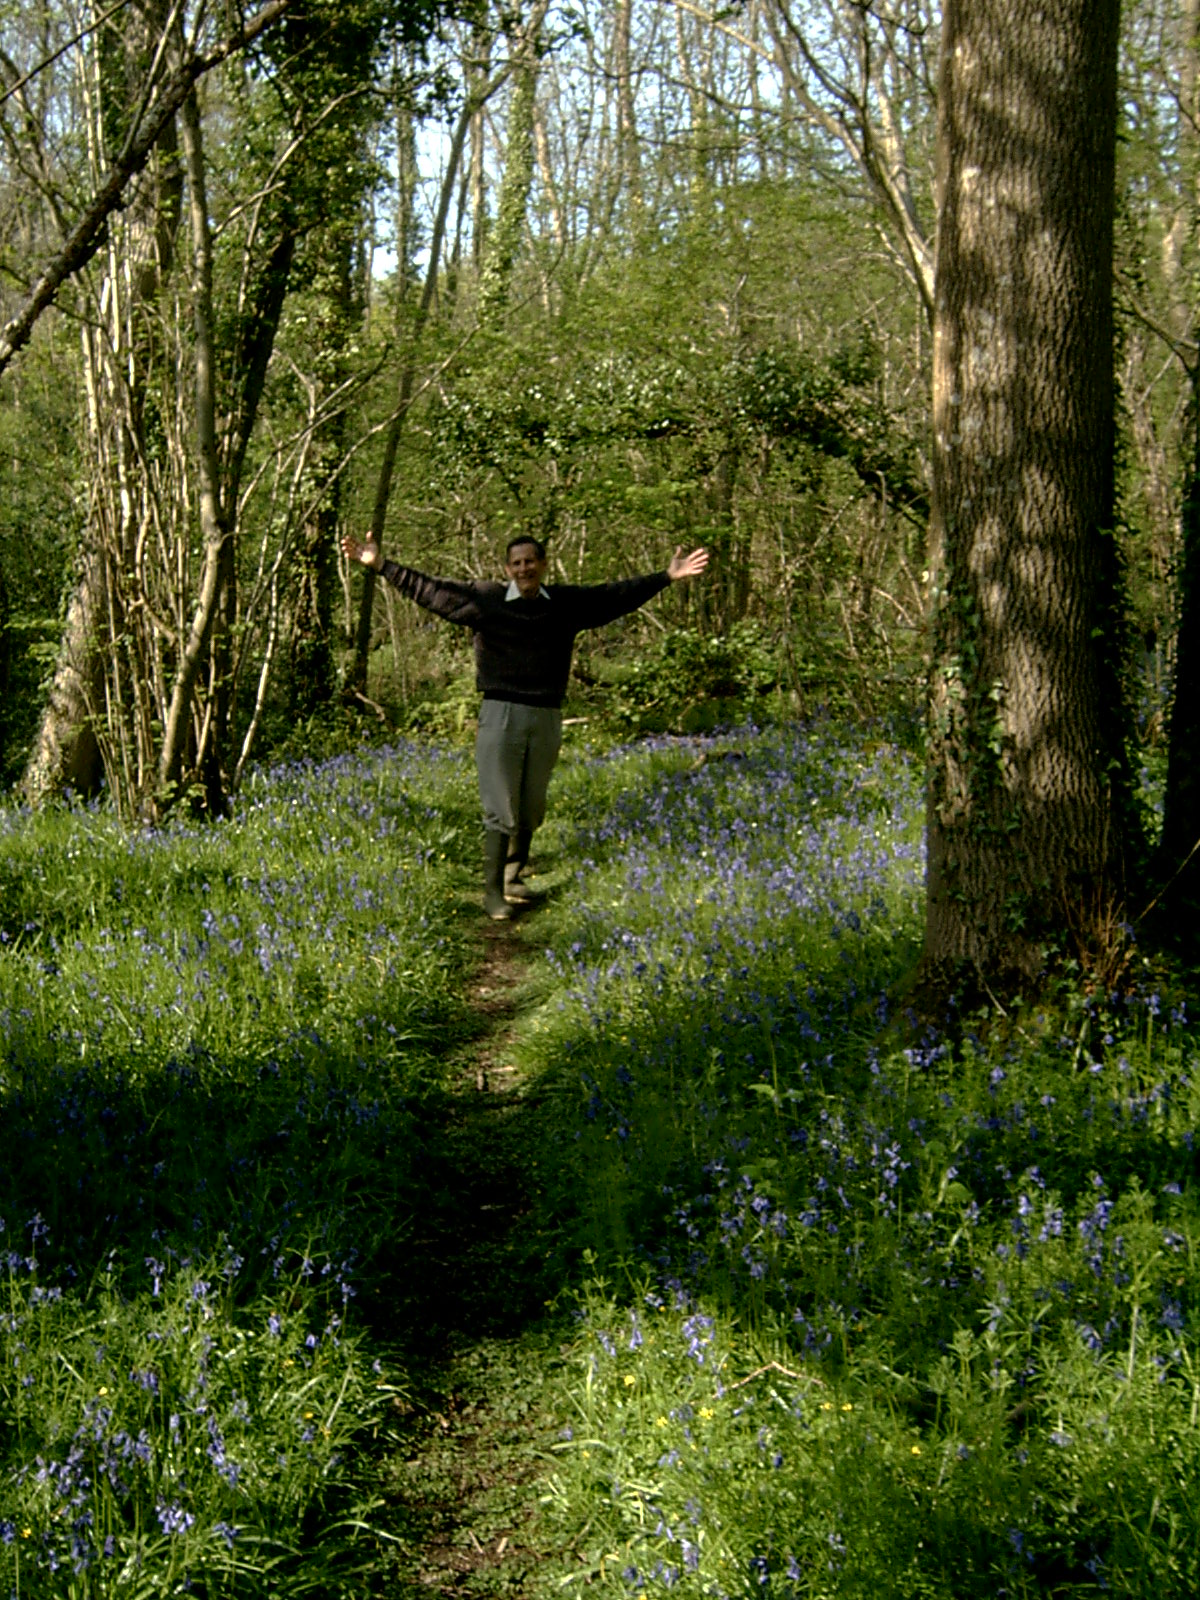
524, 636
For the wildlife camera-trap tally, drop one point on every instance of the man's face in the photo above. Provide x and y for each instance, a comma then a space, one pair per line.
526, 568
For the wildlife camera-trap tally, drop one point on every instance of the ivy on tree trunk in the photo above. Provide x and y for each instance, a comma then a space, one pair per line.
1179, 851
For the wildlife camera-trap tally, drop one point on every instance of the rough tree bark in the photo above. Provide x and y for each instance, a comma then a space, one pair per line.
1027, 822
1178, 864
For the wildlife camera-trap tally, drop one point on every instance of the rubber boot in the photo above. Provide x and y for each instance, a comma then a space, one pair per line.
518, 859
495, 850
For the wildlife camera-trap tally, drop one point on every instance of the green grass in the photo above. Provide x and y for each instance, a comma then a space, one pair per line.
861, 1315
749, 1287
219, 1049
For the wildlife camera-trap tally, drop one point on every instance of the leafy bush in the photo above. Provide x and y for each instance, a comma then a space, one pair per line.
690, 682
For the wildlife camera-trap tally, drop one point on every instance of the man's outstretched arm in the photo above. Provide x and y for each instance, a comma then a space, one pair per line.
602, 603
445, 597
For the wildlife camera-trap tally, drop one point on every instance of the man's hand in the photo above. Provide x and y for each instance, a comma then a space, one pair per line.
368, 553
690, 566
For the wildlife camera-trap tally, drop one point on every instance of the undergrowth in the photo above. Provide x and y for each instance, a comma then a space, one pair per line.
215, 1046
838, 1307
866, 1311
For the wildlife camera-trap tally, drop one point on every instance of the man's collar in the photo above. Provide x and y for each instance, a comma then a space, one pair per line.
513, 593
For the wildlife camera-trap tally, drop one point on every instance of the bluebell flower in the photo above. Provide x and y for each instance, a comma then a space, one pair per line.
174, 1519
1172, 1316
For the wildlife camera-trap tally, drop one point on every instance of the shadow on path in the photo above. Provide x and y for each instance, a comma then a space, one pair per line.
462, 1300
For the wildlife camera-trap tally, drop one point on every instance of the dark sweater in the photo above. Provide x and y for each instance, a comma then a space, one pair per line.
523, 647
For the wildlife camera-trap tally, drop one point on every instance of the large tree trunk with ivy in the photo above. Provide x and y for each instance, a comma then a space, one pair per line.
1179, 849
1028, 822
505, 237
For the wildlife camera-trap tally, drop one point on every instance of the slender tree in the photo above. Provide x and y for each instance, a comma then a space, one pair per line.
505, 236
472, 107
628, 154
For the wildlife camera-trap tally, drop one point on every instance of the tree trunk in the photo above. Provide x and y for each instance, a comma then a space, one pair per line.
407, 179
66, 752
1179, 848
98, 696
1178, 864
505, 236
214, 531
477, 179
1028, 822
311, 669
408, 373
628, 163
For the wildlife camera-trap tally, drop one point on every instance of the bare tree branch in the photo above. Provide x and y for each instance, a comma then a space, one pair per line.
88, 232
68, 44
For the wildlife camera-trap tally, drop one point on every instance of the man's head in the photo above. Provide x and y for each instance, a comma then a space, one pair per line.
525, 563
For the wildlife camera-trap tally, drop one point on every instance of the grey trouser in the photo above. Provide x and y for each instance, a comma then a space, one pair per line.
515, 751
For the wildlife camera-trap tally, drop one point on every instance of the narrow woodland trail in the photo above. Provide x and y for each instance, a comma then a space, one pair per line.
459, 1478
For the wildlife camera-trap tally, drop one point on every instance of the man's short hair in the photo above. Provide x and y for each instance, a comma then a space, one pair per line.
525, 538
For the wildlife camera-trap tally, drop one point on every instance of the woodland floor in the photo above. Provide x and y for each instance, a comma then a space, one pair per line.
466, 1306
